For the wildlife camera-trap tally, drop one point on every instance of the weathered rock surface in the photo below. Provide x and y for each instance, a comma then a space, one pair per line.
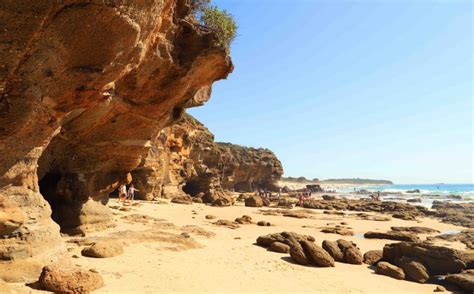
254, 201
337, 230
387, 269
438, 260
415, 229
185, 159
466, 237
103, 249
454, 213
393, 235
58, 280
279, 247
464, 280
371, 257
333, 249
73, 95
245, 219
316, 255
414, 271
288, 238
183, 199
297, 254
351, 254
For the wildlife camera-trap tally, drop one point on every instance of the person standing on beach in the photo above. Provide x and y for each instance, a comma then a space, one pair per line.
131, 192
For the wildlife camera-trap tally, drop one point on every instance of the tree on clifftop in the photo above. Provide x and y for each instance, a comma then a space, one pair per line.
219, 21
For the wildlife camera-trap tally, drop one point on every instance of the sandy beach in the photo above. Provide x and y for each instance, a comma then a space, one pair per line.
216, 259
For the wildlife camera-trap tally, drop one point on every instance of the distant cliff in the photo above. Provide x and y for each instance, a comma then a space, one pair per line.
185, 159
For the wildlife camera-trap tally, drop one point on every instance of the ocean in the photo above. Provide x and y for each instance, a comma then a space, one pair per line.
427, 193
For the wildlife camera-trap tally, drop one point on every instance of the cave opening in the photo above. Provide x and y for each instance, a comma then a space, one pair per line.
192, 188
47, 186
65, 210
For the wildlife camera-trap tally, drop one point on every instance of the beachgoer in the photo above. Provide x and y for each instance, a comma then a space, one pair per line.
301, 199
122, 193
131, 192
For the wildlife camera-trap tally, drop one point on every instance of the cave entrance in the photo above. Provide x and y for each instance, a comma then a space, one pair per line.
47, 186
192, 188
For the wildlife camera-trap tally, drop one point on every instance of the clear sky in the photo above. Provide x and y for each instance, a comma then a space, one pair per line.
370, 89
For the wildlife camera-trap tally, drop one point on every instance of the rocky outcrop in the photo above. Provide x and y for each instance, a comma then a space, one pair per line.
371, 257
60, 280
84, 88
103, 249
392, 235
437, 260
185, 158
387, 269
464, 280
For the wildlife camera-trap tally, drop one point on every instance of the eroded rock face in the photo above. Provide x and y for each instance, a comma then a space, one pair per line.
185, 159
84, 88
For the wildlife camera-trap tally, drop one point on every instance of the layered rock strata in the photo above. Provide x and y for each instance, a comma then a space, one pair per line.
84, 88
185, 159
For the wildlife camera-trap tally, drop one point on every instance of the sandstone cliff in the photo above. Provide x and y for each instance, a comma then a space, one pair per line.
185, 158
84, 87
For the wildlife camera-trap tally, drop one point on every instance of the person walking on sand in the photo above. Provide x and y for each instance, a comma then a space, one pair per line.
131, 192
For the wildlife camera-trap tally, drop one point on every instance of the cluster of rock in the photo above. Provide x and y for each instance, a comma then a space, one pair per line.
414, 261
421, 262
454, 213
185, 159
304, 251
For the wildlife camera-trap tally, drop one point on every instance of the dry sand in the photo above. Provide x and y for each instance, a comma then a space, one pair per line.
221, 260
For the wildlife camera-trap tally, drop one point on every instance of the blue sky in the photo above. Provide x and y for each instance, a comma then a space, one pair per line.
370, 89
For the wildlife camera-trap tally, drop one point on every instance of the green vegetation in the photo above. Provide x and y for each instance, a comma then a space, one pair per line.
219, 21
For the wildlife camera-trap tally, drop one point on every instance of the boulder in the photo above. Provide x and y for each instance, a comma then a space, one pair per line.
371, 257
185, 199
279, 247
464, 280
227, 223
414, 270
254, 201
337, 230
288, 238
298, 255
317, 255
333, 249
245, 219
440, 288
329, 197
415, 229
387, 269
438, 260
103, 249
263, 223
61, 280
210, 216
353, 255
223, 201
393, 235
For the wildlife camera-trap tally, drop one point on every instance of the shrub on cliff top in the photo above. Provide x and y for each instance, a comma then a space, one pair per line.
219, 21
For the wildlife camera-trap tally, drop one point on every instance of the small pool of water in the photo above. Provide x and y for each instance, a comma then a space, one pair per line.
450, 232
359, 235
